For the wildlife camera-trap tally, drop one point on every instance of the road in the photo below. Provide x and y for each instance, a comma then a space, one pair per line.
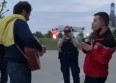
50, 69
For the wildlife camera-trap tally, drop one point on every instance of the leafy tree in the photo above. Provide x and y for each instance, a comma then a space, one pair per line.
91, 36
38, 34
48, 34
80, 36
2, 6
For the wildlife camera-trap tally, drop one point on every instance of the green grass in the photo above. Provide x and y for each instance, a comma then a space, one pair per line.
51, 44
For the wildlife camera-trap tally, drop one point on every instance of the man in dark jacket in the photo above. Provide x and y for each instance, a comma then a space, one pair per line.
99, 50
17, 33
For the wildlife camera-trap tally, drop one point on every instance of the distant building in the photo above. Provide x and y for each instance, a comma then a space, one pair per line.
112, 16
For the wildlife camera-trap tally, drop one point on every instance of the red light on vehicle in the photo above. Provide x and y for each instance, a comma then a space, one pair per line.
54, 33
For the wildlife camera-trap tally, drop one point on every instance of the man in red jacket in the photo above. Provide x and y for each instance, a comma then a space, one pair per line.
98, 50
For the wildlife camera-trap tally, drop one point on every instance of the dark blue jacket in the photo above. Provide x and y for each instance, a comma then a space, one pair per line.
23, 37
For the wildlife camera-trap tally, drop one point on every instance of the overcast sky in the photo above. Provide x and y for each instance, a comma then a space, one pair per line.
48, 14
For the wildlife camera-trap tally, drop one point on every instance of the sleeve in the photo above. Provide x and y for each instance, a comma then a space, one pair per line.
102, 54
75, 42
60, 42
110, 42
23, 32
85, 50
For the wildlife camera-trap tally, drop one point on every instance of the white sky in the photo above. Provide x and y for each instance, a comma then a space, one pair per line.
48, 14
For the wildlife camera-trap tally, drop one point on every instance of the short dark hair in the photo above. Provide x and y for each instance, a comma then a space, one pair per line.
20, 6
103, 16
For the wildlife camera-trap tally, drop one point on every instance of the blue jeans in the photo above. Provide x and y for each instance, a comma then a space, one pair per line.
19, 72
3, 69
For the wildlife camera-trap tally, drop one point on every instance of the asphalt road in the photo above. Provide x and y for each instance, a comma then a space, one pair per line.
50, 69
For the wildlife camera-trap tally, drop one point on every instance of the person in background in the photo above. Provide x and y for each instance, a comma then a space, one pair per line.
99, 50
68, 55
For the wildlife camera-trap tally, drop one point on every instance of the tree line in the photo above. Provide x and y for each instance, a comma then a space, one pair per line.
38, 34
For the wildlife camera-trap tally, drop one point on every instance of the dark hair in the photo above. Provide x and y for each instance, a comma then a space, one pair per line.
67, 31
20, 6
103, 16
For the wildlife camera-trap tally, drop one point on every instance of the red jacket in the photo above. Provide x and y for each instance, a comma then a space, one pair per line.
96, 61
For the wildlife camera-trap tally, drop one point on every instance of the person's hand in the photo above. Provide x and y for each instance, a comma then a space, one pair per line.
70, 34
86, 47
97, 44
64, 37
44, 48
41, 53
